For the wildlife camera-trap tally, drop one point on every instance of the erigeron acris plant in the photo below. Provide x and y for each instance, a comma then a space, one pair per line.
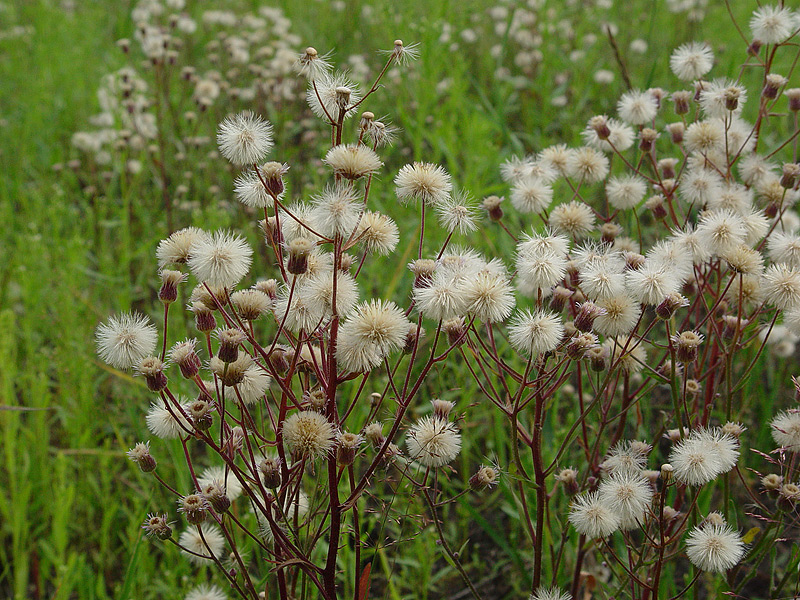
619, 364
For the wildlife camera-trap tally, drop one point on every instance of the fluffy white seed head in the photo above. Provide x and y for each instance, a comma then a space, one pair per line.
772, 24
696, 459
168, 424
457, 213
781, 286
586, 164
125, 340
335, 211
786, 430
691, 61
628, 495
433, 442
620, 317
592, 517
550, 593
353, 161
377, 233
424, 182
210, 544
221, 260
637, 107
375, 329
573, 218
651, 283
206, 592
175, 249
626, 191
714, 547
533, 333
531, 195
489, 296
245, 138
442, 299
308, 434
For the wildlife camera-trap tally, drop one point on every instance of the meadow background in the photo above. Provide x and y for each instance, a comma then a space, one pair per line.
71, 505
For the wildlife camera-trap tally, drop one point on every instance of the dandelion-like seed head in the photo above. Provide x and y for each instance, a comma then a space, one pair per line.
124, 340
786, 430
691, 61
433, 442
573, 218
772, 24
202, 546
637, 107
353, 161
423, 182
592, 517
245, 138
714, 547
308, 434
377, 233
221, 260
533, 333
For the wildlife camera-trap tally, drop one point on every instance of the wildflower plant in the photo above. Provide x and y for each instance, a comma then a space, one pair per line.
655, 265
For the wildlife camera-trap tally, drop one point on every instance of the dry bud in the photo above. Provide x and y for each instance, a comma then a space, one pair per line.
157, 525
682, 100
485, 477
271, 472
169, 285
560, 297
772, 85
194, 507
140, 454
442, 408
791, 172
230, 339
152, 369
491, 205
569, 479
347, 447
216, 497
299, 249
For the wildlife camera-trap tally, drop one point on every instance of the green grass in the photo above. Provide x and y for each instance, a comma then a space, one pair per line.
71, 505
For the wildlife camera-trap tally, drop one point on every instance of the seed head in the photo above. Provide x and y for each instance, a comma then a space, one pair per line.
592, 517
245, 138
222, 259
715, 548
308, 434
423, 182
433, 442
125, 340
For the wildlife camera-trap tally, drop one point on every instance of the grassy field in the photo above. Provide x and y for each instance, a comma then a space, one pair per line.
71, 504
